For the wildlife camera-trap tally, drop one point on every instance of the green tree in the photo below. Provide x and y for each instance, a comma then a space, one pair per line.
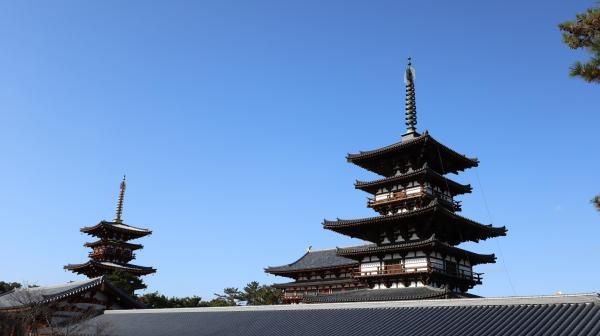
584, 33
7, 286
253, 294
596, 202
125, 281
219, 302
157, 300
256, 294
231, 296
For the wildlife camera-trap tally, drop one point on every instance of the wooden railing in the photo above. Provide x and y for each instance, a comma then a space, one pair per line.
401, 269
110, 254
384, 270
403, 195
394, 196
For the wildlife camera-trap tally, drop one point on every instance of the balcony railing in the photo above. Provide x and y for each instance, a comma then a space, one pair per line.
393, 197
430, 267
403, 195
385, 270
110, 255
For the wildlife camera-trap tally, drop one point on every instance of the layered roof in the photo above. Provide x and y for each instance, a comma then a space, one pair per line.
23, 297
435, 215
440, 158
536, 316
453, 187
94, 268
427, 244
106, 228
111, 242
311, 283
389, 294
311, 261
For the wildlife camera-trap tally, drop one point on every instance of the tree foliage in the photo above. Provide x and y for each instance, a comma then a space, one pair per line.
157, 300
584, 33
256, 294
231, 296
253, 294
125, 281
7, 286
596, 202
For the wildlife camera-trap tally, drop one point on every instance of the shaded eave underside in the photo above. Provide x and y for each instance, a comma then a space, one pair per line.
92, 264
359, 251
114, 242
430, 209
324, 282
455, 187
105, 226
392, 294
364, 158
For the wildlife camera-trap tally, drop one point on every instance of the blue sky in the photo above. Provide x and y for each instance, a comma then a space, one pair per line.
232, 120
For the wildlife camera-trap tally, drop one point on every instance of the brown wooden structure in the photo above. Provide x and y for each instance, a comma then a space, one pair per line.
112, 251
57, 309
413, 239
319, 272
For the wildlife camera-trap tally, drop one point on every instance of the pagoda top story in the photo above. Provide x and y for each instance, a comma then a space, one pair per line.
441, 159
112, 250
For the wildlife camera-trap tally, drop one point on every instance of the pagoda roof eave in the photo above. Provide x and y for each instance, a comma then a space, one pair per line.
48, 294
363, 157
388, 294
315, 283
372, 186
282, 272
92, 264
320, 260
431, 242
434, 208
114, 242
117, 227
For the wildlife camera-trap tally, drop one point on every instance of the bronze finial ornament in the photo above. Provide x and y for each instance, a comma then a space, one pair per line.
119, 210
411, 105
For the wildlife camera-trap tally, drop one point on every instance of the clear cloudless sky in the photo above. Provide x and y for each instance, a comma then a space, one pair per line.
232, 120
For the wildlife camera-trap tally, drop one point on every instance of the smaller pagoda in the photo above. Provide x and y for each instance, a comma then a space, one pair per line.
113, 251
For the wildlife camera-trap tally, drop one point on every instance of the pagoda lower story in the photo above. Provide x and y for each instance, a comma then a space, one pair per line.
411, 244
316, 273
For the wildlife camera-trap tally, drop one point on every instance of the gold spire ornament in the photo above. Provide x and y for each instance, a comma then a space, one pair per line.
119, 210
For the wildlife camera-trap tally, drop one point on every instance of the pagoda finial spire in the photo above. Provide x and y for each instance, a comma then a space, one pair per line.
119, 210
411, 105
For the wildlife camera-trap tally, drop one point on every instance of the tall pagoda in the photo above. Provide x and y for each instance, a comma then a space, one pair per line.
113, 251
412, 248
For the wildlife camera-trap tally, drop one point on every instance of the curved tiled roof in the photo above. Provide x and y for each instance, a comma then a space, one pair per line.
372, 186
362, 157
91, 264
114, 242
323, 282
23, 297
390, 294
313, 260
475, 258
434, 207
118, 227
509, 316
